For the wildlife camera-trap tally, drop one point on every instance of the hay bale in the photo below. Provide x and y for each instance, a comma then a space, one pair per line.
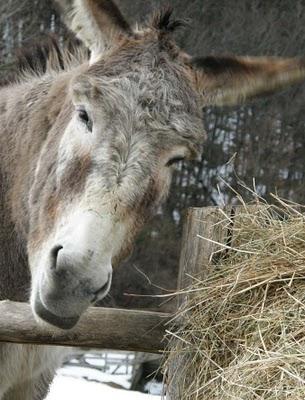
243, 327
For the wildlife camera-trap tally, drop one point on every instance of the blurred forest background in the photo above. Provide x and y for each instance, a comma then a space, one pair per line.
261, 144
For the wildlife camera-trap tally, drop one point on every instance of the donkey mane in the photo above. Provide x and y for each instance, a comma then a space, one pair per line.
45, 57
37, 56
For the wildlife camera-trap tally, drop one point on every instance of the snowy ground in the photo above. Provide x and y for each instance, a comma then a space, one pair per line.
108, 382
64, 388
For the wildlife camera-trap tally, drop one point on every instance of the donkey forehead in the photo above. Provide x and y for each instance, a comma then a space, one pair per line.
158, 98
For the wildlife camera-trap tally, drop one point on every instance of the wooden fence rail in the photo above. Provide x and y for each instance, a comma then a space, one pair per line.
107, 328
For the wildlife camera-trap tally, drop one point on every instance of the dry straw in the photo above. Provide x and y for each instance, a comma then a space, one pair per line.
241, 332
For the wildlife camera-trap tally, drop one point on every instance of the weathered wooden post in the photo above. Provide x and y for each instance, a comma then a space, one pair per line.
213, 224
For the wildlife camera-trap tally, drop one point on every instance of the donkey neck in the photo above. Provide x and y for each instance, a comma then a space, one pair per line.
27, 112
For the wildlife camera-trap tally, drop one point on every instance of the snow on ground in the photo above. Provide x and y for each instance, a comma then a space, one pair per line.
64, 387
97, 376
111, 375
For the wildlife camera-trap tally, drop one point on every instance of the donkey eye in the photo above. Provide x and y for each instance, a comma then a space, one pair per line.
84, 117
174, 160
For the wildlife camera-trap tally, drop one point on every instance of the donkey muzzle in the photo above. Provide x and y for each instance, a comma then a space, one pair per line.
61, 301
74, 273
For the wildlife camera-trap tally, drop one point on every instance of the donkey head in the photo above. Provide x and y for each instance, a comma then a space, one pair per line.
130, 114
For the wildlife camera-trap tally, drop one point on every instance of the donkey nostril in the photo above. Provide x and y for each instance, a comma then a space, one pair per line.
54, 255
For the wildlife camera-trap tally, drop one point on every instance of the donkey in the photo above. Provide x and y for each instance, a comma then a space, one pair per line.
87, 155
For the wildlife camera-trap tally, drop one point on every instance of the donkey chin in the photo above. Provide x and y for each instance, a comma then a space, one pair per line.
72, 274
62, 307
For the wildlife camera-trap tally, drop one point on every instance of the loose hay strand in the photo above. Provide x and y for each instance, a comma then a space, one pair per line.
241, 332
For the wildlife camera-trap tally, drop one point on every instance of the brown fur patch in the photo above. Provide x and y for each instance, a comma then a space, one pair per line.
75, 177
52, 207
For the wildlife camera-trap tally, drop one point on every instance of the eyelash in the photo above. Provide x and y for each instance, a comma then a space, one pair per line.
174, 160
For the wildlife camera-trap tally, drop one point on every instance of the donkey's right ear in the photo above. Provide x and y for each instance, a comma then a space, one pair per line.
228, 81
95, 22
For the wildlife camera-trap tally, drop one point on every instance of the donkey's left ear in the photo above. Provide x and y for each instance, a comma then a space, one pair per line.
95, 22
223, 81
